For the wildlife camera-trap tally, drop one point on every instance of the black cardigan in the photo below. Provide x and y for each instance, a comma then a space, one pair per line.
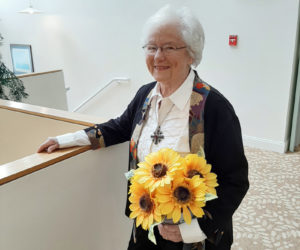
223, 148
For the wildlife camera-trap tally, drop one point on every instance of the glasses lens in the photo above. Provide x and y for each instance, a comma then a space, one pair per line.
167, 49
150, 49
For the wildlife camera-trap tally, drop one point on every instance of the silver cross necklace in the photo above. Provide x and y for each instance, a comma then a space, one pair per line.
158, 135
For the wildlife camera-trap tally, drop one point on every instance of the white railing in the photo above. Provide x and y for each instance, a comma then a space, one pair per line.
118, 80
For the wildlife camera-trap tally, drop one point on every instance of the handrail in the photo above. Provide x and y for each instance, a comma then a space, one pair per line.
33, 162
119, 80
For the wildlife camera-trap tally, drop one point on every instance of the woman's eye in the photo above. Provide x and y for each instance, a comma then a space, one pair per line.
152, 48
169, 48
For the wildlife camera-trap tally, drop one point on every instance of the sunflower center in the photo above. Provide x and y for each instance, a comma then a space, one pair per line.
159, 170
182, 194
146, 203
194, 172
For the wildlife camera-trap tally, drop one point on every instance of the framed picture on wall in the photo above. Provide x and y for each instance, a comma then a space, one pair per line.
21, 56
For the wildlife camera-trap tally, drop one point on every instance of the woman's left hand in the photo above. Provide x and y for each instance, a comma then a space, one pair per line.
170, 232
49, 145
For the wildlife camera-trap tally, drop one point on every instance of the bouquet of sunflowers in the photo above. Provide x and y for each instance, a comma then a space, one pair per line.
167, 186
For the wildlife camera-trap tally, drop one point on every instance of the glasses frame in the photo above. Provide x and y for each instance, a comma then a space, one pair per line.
163, 49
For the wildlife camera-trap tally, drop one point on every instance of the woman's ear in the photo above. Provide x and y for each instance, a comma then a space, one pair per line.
191, 60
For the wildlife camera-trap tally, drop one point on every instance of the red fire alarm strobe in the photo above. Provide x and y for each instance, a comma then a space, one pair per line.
233, 40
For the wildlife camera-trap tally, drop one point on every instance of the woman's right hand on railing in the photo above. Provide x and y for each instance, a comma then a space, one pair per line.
49, 145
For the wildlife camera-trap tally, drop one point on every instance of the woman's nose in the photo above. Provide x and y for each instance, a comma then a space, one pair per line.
159, 54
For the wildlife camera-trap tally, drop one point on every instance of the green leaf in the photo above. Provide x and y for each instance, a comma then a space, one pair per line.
11, 87
129, 174
151, 235
209, 197
201, 153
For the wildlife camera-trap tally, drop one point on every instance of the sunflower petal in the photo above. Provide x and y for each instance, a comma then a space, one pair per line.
134, 214
141, 171
151, 182
157, 211
139, 220
211, 190
131, 198
154, 186
134, 207
186, 215
166, 181
142, 180
199, 192
207, 169
176, 214
166, 208
150, 222
210, 176
163, 198
142, 165
163, 190
200, 198
197, 211
169, 216
145, 223
157, 218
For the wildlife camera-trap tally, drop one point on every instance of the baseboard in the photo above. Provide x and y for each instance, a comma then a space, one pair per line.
255, 142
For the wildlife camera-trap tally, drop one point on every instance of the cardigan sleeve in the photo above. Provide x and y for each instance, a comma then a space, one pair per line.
120, 129
224, 151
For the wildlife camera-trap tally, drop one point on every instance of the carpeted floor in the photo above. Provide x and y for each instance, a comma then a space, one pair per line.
269, 216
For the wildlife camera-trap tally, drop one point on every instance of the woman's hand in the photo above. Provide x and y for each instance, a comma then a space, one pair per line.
170, 232
49, 145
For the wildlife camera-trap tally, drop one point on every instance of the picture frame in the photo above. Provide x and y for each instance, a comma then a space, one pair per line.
21, 55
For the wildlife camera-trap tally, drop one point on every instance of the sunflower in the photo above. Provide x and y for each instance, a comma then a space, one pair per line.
196, 165
182, 196
158, 168
143, 206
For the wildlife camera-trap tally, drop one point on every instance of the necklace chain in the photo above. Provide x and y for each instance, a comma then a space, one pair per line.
157, 135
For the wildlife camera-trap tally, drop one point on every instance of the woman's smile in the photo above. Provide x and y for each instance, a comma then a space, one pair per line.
161, 68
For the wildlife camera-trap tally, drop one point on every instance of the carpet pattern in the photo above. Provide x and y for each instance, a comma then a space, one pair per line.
269, 216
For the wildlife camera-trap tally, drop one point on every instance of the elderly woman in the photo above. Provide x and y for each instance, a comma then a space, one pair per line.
182, 112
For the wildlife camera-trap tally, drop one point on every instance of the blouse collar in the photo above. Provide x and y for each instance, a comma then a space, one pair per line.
181, 96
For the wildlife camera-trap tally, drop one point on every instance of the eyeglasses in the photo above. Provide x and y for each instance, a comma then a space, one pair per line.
167, 49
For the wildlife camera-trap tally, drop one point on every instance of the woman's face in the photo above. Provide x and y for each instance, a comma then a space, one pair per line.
168, 68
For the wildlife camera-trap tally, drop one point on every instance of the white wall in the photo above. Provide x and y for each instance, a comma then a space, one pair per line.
94, 41
47, 89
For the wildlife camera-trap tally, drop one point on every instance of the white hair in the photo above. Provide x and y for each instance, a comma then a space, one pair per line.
189, 27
